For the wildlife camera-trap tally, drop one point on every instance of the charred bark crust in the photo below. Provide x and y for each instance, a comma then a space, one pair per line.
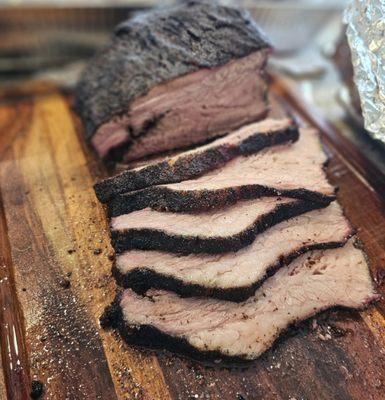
151, 337
165, 199
190, 165
142, 279
149, 239
158, 46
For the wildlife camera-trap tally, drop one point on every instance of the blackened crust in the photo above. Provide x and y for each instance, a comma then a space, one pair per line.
158, 46
189, 166
116, 153
165, 199
142, 279
149, 239
150, 337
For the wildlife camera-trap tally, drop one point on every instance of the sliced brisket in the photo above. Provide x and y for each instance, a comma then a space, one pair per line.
311, 283
293, 170
233, 276
171, 77
191, 164
215, 231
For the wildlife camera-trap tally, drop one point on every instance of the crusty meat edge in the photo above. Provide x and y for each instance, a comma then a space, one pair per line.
170, 34
165, 199
141, 279
190, 165
116, 154
153, 239
147, 336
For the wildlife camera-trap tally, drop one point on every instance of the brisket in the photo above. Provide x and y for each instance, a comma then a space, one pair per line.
292, 170
313, 282
191, 164
214, 231
233, 276
171, 77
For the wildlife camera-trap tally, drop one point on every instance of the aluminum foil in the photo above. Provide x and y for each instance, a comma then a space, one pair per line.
365, 21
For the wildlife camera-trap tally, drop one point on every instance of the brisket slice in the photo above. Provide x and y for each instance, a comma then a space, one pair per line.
292, 170
171, 77
233, 276
215, 231
199, 326
191, 164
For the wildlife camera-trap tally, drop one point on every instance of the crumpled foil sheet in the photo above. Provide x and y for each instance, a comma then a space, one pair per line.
365, 21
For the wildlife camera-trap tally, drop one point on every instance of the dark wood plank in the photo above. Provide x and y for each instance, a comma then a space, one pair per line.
56, 224
59, 350
3, 389
14, 356
13, 120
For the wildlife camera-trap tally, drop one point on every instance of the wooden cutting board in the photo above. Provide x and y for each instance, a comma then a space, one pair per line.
55, 280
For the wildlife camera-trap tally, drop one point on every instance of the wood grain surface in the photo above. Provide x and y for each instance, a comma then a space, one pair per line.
60, 252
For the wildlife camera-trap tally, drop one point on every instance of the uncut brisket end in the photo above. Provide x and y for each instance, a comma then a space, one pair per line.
292, 170
233, 276
191, 164
165, 80
175, 116
215, 231
312, 283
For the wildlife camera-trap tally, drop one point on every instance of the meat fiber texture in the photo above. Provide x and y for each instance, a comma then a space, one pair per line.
171, 77
215, 231
292, 170
198, 326
190, 164
233, 276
